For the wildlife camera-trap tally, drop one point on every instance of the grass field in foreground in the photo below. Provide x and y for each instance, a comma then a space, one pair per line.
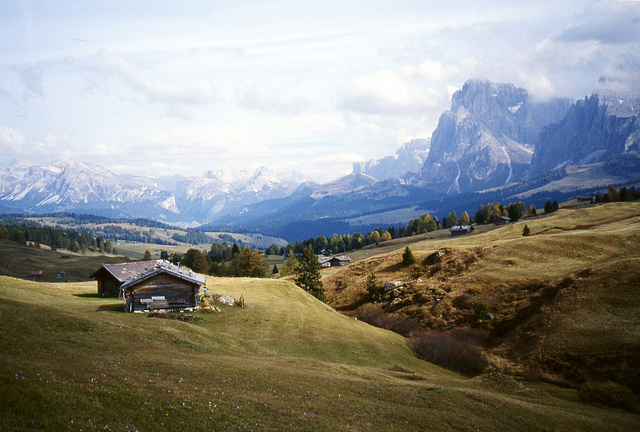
72, 361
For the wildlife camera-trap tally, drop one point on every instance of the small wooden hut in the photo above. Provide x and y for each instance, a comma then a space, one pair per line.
164, 288
341, 260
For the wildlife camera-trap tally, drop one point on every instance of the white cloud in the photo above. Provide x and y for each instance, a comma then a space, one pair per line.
607, 22
273, 101
192, 93
386, 92
11, 141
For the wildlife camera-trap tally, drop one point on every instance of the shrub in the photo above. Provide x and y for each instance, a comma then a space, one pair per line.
609, 394
481, 311
526, 232
474, 289
369, 312
374, 315
463, 301
457, 350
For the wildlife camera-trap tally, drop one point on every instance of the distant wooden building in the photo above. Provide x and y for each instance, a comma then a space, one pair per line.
341, 260
503, 220
110, 277
459, 230
166, 288
325, 262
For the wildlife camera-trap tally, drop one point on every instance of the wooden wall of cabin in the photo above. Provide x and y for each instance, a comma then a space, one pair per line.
163, 292
108, 286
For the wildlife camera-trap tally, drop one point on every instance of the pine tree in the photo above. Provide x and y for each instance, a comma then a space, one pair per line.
452, 219
407, 257
308, 274
373, 287
526, 231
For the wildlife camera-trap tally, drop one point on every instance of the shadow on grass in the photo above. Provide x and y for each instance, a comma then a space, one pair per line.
88, 295
113, 307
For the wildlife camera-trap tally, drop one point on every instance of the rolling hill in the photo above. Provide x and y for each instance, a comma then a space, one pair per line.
73, 361
563, 302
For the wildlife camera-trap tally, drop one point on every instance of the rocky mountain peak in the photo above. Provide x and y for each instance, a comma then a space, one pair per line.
486, 138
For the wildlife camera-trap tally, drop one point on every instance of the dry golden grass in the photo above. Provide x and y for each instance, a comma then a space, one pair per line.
567, 293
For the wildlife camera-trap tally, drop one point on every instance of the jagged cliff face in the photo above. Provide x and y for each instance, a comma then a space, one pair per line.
595, 129
487, 137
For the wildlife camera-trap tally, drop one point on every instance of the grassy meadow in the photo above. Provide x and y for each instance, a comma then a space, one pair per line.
73, 361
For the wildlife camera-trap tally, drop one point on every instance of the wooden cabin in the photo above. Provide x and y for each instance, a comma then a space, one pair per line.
110, 277
341, 260
503, 220
164, 288
459, 230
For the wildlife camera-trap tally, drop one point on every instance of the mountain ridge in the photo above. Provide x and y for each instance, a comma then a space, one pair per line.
494, 143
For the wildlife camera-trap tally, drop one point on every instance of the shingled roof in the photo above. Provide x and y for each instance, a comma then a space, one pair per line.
169, 268
125, 271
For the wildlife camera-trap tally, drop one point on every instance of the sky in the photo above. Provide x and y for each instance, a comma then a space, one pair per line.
159, 88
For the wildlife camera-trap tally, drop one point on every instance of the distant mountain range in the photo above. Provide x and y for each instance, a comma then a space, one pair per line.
494, 144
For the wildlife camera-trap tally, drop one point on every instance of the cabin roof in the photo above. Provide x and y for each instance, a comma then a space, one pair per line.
460, 228
168, 268
341, 258
125, 271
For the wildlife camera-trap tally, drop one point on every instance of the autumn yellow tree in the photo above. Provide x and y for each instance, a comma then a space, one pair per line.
465, 219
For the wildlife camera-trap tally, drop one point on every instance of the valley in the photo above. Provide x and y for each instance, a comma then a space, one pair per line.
563, 304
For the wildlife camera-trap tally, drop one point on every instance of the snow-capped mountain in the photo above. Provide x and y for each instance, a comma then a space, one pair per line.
407, 160
494, 141
81, 186
223, 191
487, 137
67, 185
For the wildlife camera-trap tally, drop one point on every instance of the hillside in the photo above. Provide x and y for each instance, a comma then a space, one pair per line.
562, 303
73, 361
19, 260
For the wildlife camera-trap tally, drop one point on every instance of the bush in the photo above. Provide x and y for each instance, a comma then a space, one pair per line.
481, 312
609, 394
526, 232
374, 315
457, 350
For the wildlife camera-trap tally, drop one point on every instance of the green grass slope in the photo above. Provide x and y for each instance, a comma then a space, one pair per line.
72, 361
19, 260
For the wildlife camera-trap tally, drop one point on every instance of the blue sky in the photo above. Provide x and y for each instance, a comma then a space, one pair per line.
162, 88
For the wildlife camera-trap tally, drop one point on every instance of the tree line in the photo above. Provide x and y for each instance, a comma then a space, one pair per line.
485, 214
55, 238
